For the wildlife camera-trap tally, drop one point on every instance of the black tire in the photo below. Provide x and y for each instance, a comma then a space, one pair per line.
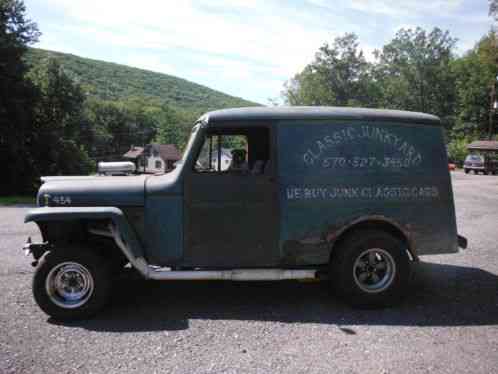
466, 171
346, 283
476, 172
96, 270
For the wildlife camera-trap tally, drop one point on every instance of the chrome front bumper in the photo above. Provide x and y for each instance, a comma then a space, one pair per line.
35, 249
462, 241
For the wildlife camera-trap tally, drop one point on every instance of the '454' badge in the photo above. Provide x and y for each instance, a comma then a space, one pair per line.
61, 200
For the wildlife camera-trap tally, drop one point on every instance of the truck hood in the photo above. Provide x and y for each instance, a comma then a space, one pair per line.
93, 191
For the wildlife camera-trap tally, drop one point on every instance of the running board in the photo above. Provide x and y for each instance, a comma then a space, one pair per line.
233, 275
151, 272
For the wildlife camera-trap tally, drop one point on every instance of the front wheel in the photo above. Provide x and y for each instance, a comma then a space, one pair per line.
466, 171
72, 284
370, 269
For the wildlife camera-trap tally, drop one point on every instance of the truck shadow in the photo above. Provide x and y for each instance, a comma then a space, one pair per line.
441, 295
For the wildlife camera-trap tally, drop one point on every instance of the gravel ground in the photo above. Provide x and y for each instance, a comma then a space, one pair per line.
449, 324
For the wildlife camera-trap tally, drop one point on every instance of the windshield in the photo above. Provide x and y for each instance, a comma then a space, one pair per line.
474, 158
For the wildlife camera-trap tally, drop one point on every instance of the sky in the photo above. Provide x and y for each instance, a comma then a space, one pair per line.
246, 48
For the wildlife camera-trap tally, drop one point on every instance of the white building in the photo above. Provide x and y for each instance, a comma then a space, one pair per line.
154, 158
225, 159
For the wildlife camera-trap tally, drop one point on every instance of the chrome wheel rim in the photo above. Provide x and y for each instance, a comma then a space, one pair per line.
374, 270
69, 285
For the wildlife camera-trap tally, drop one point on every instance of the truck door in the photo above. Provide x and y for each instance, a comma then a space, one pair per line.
231, 200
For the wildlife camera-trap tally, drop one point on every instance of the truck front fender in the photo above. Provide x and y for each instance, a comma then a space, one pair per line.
120, 229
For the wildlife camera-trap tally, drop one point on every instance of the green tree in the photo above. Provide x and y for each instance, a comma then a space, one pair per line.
113, 129
17, 96
475, 74
339, 75
117, 125
58, 147
457, 148
175, 126
414, 72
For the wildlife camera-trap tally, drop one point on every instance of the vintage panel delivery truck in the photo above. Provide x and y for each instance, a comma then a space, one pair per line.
353, 196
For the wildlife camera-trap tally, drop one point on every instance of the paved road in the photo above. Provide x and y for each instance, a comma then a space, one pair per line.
448, 325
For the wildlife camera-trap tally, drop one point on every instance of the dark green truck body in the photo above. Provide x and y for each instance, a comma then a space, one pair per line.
328, 170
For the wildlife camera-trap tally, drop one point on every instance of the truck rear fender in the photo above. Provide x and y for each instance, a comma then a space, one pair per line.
378, 222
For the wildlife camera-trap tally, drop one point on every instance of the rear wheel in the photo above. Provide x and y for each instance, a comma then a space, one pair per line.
370, 269
466, 171
72, 284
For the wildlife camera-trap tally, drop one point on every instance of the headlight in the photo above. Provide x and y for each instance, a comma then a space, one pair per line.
43, 199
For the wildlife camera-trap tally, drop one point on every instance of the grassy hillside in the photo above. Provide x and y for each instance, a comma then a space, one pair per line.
110, 81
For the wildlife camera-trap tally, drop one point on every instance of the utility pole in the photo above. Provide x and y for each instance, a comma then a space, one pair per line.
143, 145
493, 104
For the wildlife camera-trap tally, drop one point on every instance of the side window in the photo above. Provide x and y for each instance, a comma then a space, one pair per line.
235, 151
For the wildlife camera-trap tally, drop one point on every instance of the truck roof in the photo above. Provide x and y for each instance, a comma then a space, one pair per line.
320, 113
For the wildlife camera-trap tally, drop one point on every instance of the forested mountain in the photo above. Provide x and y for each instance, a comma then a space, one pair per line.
110, 81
